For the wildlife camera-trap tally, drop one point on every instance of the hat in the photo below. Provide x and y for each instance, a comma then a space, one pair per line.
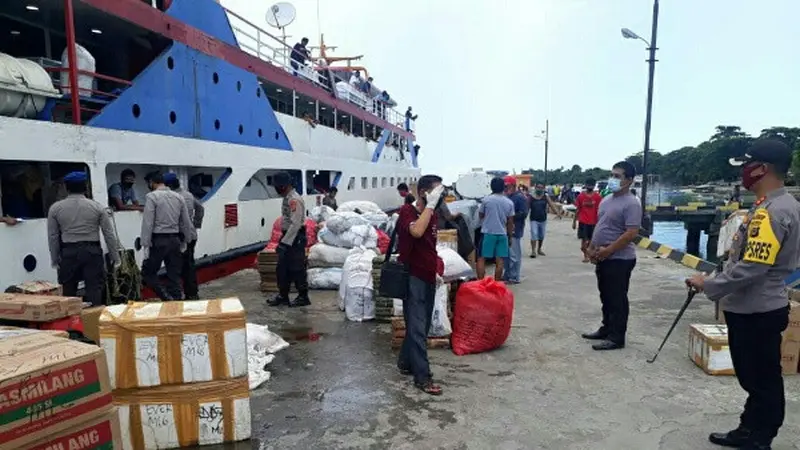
281, 179
509, 180
769, 151
75, 177
170, 177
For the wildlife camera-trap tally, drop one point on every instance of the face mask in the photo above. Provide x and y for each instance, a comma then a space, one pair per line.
539, 192
127, 185
749, 178
614, 184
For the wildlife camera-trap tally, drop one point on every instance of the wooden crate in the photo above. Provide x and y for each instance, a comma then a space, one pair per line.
708, 348
433, 343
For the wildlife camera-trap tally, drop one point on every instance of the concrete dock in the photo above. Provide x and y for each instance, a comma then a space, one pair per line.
337, 385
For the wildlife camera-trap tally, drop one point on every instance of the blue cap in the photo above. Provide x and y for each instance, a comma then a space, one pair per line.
75, 177
170, 177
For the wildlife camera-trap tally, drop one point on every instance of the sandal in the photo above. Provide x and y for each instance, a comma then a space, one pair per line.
429, 388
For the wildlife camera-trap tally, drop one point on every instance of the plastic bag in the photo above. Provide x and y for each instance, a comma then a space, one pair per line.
324, 278
454, 265
383, 242
355, 289
321, 213
341, 222
376, 219
357, 236
482, 319
440, 323
324, 255
261, 344
360, 206
397, 307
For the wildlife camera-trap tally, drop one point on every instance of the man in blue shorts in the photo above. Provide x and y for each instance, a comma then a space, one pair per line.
497, 214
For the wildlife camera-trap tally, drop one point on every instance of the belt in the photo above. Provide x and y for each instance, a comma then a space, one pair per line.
80, 244
166, 234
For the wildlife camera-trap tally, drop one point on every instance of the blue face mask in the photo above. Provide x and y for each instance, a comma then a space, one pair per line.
614, 184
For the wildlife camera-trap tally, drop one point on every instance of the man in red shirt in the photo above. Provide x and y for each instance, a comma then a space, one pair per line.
416, 243
587, 204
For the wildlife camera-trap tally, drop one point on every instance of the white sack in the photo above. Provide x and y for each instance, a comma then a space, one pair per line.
321, 213
454, 265
339, 222
355, 289
378, 219
440, 323
359, 235
324, 278
325, 255
397, 309
261, 344
363, 206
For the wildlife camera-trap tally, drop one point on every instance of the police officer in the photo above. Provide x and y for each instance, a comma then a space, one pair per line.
292, 247
196, 213
751, 290
166, 231
73, 228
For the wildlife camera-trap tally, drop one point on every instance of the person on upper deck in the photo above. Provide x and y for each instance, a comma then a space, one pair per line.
122, 196
410, 116
366, 87
300, 54
355, 80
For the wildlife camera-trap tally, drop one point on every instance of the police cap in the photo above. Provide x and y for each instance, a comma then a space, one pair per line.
170, 177
75, 177
281, 179
768, 151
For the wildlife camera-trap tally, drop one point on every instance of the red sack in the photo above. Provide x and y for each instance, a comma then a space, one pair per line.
482, 318
383, 242
275, 237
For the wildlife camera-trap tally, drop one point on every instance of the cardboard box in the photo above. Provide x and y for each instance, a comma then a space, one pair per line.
101, 433
708, 348
90, 317
48, 385
792, 332
36, 288
38, 308
790, 356
150, 344
9, 332
794, 294
184, 415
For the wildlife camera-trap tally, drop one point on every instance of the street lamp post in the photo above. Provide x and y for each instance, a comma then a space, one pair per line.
546, 136
628, 34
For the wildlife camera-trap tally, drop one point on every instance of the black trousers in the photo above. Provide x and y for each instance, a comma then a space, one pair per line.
613, 280
755, 345
189, 272
291, 267
417, 313
166, 249
83, 261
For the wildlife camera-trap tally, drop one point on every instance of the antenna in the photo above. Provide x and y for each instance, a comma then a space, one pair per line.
280, 15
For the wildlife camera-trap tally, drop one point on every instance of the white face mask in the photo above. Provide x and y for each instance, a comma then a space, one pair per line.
614, 184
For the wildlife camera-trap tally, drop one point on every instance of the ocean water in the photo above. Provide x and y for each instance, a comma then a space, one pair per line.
672, 234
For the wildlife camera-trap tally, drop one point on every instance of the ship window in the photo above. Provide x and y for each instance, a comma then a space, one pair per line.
391, 181
383, 182
358, 127
374, 182
351, 184
369, 131
320, 181
259, 186
305, 108
344, 123
29, 188
363, 182
279, 98
327, 115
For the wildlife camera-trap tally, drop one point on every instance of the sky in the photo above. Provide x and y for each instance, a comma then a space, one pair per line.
485, 75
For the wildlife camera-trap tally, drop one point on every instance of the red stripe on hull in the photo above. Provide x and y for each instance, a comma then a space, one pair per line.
215, 272
149, 18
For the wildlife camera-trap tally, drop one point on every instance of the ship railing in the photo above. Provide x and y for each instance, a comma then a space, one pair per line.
91, 100
256, 41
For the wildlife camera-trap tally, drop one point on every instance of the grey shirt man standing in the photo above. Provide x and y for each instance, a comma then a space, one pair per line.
166, 231
196, 213
74, 225
291, 249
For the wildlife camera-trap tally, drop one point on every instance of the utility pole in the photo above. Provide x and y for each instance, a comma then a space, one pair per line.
546, 147
646, 224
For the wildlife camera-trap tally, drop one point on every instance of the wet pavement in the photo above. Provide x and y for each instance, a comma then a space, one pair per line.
336, 386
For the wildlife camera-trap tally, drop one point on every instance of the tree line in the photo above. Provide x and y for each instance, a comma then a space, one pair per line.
700, 164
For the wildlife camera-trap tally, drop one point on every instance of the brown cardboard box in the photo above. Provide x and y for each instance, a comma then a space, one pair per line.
38, 308
90, 317
9, 332
36, 288
102, 432
790, 355
49, 385
792, 332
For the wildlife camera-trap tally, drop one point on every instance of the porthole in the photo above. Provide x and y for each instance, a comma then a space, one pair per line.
239, 86
277, 136
260, 133
137, 244
241, 129
29, 263
258, 92
172, 117
216, 124
263, 221
170, 63
215, 77
137, 111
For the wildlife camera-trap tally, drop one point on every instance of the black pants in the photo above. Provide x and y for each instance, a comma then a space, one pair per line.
417, 313
292, 267
755, 345
613, 280
189, 272
83, 261
166, 249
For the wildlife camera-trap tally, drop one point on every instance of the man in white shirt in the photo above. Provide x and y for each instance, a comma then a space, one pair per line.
356, 80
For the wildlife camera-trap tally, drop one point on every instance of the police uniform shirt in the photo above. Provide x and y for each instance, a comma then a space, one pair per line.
766, 249
165, 212
78, 219
195, 209
293, 211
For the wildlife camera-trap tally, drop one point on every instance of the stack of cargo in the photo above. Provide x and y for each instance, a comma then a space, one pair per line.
708, 345
35, 288
55, 394
399, 333
178, 371
384, 306
267, 269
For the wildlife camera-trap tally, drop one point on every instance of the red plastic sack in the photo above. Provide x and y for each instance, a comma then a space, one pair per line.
275, 237
482, 318
383, 242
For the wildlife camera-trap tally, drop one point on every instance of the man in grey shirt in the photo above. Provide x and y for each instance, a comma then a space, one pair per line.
73, 228
196, 214
166, 231
612, 250
752, 292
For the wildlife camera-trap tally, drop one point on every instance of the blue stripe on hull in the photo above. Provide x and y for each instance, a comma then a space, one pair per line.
376, 155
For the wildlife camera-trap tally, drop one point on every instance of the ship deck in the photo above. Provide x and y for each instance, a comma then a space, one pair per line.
545, 389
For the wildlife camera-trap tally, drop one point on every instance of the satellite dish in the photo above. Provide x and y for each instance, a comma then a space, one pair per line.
281, 14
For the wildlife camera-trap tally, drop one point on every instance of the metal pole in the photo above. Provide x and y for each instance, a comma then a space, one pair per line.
652, 61
72, 57
546, 147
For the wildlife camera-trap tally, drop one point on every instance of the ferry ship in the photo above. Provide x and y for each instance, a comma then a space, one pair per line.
189, 87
